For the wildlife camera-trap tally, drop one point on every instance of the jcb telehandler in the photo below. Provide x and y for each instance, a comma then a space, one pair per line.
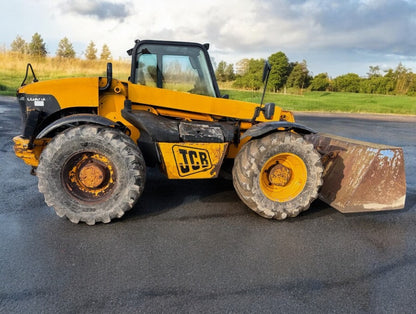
89, 141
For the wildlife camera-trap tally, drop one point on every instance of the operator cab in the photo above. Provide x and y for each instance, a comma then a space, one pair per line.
179, 66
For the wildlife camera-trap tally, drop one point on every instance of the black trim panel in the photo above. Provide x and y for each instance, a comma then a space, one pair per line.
267, 127
76, 118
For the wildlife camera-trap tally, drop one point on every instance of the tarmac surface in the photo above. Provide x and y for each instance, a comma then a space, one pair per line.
194, 247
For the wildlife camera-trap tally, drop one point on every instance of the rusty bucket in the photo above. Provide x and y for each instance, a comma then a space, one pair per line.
360, 176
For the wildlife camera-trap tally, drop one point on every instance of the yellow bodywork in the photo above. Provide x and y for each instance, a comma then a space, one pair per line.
186, 106
84, 92
29, 155
179, 105
282, 177
69, 92
192, 160
180, 101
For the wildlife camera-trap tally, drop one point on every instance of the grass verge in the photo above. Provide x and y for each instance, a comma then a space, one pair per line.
333, 102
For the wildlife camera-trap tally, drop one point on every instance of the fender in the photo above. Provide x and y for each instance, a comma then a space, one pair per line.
263, 128
76, 118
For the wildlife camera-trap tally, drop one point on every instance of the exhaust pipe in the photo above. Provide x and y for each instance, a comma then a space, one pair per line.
109, 77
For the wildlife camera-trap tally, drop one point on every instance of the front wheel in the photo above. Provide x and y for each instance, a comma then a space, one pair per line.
278, 175
91, 174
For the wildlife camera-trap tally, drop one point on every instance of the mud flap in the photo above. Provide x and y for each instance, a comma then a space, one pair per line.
360, 176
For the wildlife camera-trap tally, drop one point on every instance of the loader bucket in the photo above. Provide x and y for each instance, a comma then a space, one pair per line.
360, 176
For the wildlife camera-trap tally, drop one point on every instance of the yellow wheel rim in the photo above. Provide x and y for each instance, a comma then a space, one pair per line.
283, 177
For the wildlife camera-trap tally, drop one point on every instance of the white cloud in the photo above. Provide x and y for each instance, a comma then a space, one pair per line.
101, 10
330, 34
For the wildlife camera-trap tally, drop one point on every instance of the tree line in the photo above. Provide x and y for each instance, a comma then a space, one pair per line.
247, 73
295, 76
37, 48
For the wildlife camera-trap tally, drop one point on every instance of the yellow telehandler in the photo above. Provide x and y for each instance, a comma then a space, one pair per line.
89, 141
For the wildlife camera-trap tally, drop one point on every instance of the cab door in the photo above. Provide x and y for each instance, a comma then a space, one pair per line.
176, 66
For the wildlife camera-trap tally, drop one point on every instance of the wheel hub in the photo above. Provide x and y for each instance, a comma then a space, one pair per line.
283, 177
91, 175
279, 175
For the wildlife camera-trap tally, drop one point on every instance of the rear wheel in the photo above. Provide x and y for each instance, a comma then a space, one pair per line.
278, 175
91, 174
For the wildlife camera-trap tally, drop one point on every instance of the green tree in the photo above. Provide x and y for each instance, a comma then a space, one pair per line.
220, 72
376, 85
299, 77
37, 47
412, 86
91, 51
347, 83
280, 70
225, 72
402, 77
320, 82
105, 53
229, 72
374, 71
252, 78
390, 81
65, 49
19, 45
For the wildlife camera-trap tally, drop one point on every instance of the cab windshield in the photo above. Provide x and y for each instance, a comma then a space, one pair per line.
179, 68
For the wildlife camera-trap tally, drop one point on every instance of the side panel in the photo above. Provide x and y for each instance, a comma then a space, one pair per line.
70, 92
192, 160
220, 107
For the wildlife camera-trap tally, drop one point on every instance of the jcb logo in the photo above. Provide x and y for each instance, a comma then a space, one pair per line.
190, 160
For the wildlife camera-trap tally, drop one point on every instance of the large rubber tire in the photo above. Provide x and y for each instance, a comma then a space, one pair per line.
91, 174
288, 156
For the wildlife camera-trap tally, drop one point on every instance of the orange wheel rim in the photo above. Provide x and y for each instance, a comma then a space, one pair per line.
89, 176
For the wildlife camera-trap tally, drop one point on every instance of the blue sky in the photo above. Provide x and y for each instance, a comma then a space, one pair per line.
333, 36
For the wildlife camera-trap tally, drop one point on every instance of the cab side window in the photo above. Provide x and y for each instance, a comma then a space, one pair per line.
178, 73
147, 70
179, 68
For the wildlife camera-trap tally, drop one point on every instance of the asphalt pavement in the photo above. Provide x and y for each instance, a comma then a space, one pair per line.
194, 247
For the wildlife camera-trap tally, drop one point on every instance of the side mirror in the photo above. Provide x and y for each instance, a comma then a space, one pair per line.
266, 70
268, 110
